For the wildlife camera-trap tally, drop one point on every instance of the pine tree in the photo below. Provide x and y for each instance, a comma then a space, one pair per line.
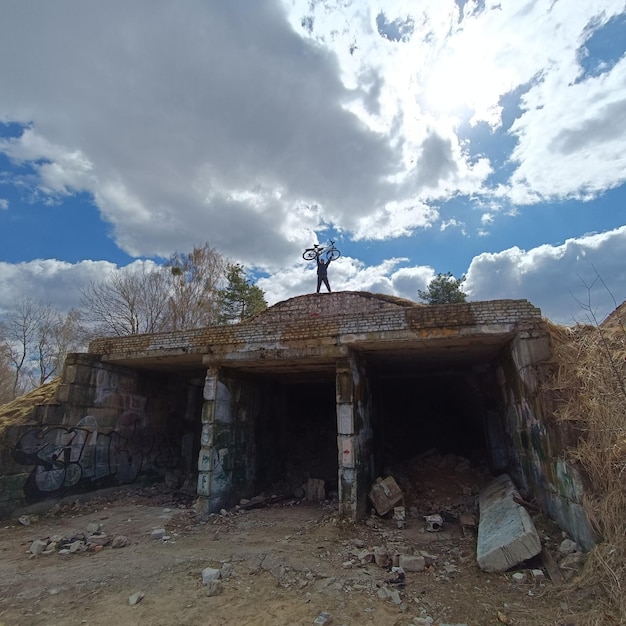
239, 299
443, 289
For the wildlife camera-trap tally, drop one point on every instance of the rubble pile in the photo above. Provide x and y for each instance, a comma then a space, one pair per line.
93, 539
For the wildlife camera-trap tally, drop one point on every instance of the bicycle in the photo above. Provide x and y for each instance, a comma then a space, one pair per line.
330, 252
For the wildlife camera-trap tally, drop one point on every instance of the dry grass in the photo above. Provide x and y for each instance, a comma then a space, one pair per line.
19, 410
591, 377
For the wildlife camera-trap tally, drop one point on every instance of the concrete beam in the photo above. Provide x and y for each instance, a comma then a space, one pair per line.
506, 533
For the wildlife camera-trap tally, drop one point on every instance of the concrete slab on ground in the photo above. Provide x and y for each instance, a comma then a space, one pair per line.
506, 533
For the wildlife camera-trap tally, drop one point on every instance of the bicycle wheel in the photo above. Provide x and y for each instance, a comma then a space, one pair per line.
333, 254
309, 254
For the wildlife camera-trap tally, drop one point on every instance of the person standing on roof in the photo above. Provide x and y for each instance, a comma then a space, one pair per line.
322, 272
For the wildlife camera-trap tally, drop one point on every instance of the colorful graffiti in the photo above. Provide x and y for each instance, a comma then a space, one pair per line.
66, 458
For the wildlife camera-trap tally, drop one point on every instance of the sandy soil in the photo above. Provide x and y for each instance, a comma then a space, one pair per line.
288, 563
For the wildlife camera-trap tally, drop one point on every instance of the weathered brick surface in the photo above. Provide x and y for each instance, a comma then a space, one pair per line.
351, 315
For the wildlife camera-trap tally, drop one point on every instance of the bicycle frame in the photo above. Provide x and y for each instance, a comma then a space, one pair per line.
330, 252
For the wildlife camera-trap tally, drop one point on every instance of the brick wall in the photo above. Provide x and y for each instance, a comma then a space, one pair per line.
323, 315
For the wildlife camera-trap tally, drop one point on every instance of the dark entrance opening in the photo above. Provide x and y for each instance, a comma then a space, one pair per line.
442, 412
431, 434
299, 439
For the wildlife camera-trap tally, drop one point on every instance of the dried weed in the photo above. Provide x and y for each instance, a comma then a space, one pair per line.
591, 374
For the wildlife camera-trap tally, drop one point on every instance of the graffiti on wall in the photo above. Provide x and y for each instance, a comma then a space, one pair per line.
64, 458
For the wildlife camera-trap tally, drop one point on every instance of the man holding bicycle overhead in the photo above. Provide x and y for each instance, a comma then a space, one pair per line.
323, 255
322, 272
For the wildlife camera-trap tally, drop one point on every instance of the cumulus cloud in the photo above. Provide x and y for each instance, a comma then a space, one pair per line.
258, 125
209, 115
564, 280
52, 282
174, 119
392, 277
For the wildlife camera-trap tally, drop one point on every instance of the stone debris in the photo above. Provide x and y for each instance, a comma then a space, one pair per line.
24, 520
382, 557
136, 598
209, 574
385, 494
568, 546
37, 546
411, 563
158, 533
571, 564
391, 595
538, 575
77, 546
519, 577
214, 588
98, 539
434, 523
76, 542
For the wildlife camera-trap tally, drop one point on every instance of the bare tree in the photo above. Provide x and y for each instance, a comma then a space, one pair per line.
6, 374
132, 301
56, 335
34, 341
19, 332
196, 280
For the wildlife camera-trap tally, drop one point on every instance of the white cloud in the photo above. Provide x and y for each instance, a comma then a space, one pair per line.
572, 136
349, 274
224, 118
556, 278
258, 124
50, 281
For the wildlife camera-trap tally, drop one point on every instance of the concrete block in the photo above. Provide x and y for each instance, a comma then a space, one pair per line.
204, 460
345, 419
315, 490
385, 494
506, 534
412, 563
204, 484
346, 451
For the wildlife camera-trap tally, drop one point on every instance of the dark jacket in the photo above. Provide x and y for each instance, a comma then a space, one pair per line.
322, 268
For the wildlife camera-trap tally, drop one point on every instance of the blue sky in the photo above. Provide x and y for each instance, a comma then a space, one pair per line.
483, 138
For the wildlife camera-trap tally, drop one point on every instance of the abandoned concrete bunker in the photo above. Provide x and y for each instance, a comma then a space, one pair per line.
337, 387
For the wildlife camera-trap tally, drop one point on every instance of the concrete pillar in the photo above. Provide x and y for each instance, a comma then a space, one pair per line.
354, 437
214, 466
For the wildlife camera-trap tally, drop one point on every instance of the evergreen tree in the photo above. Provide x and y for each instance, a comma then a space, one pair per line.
239, 299
443, 289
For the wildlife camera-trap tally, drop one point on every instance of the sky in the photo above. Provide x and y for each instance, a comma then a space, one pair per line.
482, 138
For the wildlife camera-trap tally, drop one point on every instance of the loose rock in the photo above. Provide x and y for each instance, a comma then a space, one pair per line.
37, 546
209, 574
214, 588
136, 598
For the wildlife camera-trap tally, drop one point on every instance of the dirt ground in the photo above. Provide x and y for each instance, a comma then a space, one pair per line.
282, 564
